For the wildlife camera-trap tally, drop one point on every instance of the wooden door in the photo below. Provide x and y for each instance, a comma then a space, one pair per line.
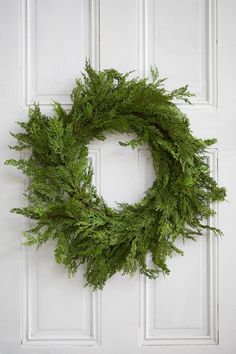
44, 44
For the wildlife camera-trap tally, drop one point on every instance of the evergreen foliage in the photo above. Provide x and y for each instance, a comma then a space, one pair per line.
65, 204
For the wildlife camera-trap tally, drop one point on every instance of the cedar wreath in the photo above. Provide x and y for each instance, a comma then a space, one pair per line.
66, 206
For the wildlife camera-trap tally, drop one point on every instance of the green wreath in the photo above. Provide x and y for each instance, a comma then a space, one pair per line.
66, 206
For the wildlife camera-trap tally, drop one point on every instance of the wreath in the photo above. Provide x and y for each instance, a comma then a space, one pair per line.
64, 202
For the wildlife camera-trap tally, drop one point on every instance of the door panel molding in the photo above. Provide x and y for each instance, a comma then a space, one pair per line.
41, 70
205, 38
176, 325
64, 313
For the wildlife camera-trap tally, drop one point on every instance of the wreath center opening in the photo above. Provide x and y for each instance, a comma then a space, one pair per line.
121, 174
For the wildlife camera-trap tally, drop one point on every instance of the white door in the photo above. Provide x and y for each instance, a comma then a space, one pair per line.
43, 48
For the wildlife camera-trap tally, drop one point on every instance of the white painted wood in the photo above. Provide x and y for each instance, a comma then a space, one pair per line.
57, 37
61, 311
189, 314
162, 46
43, 47
119, 34
58, 309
